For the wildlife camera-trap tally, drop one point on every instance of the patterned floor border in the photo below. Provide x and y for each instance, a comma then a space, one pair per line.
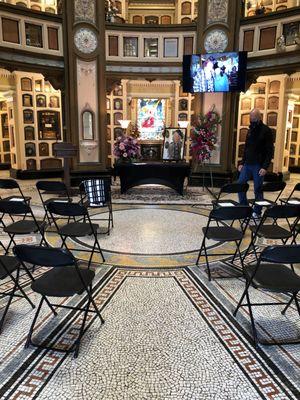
36, 371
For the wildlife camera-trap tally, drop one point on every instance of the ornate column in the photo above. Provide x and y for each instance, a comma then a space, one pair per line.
217, 31
84, 26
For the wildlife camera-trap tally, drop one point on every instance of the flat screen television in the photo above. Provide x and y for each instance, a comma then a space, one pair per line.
214, 72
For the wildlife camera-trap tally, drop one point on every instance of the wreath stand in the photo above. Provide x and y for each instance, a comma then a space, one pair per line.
205, 187
211, 187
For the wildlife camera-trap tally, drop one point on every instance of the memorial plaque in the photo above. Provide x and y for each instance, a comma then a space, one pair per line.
49, 125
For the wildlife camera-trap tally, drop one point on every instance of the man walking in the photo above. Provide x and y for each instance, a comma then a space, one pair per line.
257, 156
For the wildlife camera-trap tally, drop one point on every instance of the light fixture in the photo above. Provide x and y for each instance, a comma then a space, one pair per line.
124, 123
183, 124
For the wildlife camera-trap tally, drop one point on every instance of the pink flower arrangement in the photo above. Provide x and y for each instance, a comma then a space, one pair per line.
204, 135
127, 148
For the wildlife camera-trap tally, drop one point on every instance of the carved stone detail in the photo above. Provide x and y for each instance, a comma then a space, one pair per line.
217, 11
85, 10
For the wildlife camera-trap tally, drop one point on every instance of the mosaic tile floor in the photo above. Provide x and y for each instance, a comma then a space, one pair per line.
169, 334
166, 336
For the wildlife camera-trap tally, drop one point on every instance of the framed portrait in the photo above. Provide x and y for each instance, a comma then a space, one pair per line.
41, 100
118, 132
28, 116
117, 117
31, 164
174, 144
6, 145
30, 150
4, 124
54, 102
118, 104
27, 100
29, 133
26, 84
49, 125
38, 86
43, 149
118, 91
183, 105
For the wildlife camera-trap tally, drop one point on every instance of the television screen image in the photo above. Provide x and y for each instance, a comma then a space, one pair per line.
216, 72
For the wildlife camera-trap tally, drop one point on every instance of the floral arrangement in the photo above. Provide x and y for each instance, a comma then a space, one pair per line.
204, 135
135, 133
127, 148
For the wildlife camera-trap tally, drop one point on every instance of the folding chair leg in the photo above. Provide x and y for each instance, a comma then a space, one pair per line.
91, 256
200, 251
7, 307
294, 297
19, 287
81, 332
10, 242
28, 340
252, 320
112, 218
99, 248
241, 299
207, 262
94, 304
297, 303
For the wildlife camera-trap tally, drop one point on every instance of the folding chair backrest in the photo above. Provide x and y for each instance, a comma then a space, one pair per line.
231, 213
296, 189
9, 184
281, 254
234, 188
273, 187
67, 209
282, 211
52, 186
14, 207
44, 256
97, 190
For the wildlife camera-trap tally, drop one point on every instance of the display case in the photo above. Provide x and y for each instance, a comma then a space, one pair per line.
39, 123
268, 95
4, 135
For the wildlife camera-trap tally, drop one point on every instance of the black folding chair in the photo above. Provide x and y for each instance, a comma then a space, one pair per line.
11, 184
75, 229
229, 188
291, 199
269, 187
26, 226
46, 188
225, 233
274, 230
270, 274
96, 193
8, 266
64, 279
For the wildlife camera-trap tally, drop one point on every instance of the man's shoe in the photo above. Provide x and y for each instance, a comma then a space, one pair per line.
256, 216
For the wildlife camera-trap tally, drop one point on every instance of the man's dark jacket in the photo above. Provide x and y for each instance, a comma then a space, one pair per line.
259, 147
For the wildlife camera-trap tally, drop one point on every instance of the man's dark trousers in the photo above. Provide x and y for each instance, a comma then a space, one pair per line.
251, 171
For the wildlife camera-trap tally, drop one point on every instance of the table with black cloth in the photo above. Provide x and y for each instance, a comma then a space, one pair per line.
168, 174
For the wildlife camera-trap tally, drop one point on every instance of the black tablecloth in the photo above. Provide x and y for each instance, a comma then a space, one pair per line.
168, 174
